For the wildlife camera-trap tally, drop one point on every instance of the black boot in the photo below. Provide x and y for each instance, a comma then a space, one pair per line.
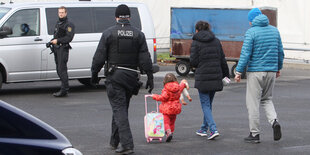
276, 130
124, 150
251, 139
61, 93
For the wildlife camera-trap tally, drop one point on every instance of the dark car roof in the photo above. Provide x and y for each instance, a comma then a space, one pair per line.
59, 141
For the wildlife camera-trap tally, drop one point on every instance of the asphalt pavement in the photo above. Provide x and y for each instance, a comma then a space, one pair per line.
84, 117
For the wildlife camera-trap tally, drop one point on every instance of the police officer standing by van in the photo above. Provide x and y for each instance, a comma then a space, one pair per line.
122, 49
63, 35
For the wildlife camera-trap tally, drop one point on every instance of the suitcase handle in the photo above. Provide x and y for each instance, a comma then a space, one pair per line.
146, 96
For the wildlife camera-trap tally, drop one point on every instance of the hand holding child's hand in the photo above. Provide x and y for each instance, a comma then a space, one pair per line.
237, 78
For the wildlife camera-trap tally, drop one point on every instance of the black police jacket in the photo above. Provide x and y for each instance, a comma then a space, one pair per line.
122, 45
64, 31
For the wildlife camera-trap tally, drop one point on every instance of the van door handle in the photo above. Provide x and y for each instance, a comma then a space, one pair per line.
38, 39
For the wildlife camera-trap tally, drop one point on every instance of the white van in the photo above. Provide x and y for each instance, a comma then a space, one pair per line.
24, 57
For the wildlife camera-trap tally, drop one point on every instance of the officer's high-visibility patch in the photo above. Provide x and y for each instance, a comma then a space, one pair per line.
69, 29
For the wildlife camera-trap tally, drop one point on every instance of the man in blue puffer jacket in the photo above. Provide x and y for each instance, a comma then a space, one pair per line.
262, 54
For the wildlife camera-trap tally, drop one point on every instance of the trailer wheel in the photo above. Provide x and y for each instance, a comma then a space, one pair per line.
233, 72
182, 68
193, 69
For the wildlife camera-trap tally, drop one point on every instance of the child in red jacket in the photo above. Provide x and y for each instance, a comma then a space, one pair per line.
170, 102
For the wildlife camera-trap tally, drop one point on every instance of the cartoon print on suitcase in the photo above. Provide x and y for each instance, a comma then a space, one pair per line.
153, 124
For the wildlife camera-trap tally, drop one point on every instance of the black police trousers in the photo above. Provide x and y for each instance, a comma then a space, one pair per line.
119, 98
61, 58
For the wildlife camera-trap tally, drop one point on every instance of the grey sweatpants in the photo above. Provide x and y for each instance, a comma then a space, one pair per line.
259, 92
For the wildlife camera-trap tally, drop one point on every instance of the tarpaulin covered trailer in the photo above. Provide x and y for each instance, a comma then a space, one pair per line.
228, 24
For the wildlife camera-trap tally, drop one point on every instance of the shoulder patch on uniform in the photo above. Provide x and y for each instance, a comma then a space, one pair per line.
69, 29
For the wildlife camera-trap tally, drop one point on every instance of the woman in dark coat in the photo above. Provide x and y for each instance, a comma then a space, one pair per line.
208, 58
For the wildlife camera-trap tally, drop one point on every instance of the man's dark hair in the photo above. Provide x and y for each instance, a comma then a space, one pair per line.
202, 25
62, 7
169, 78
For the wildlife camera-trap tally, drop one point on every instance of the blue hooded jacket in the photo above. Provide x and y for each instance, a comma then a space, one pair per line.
262, 49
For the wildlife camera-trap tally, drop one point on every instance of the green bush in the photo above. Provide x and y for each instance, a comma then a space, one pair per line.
164, 56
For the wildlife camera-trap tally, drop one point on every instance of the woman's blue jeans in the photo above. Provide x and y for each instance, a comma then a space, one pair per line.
206, 100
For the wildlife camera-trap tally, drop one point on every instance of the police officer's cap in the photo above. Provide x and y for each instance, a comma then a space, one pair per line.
122, 11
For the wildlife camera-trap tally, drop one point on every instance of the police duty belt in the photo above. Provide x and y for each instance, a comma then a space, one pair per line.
125, 68
129, 69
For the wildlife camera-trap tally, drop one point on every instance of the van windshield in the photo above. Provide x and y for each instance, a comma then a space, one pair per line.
3, 11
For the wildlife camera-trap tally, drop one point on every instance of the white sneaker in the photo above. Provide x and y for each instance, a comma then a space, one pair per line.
213, 135
201, 133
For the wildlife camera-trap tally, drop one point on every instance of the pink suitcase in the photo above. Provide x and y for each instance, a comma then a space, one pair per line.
153, 124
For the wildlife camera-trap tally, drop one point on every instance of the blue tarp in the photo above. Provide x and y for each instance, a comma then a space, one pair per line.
227, 24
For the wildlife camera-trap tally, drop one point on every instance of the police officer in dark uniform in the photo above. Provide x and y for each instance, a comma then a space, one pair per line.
63, 35
122, 50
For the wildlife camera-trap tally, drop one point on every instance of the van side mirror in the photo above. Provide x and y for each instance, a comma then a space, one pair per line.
5, 31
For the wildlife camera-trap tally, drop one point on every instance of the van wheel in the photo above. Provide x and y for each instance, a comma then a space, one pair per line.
182, 68
85, 81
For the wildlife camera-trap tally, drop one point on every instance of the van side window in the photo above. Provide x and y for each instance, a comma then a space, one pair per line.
52, 18
80, 17
135, 18
105, 17
24, 23
90, 19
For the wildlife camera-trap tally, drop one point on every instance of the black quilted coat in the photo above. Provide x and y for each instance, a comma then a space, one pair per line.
208, 58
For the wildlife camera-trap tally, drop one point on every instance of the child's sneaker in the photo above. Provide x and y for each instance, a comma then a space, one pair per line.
213, 135
201, 132
169, 137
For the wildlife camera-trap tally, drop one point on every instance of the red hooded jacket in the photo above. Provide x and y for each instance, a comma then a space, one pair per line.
170, 98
